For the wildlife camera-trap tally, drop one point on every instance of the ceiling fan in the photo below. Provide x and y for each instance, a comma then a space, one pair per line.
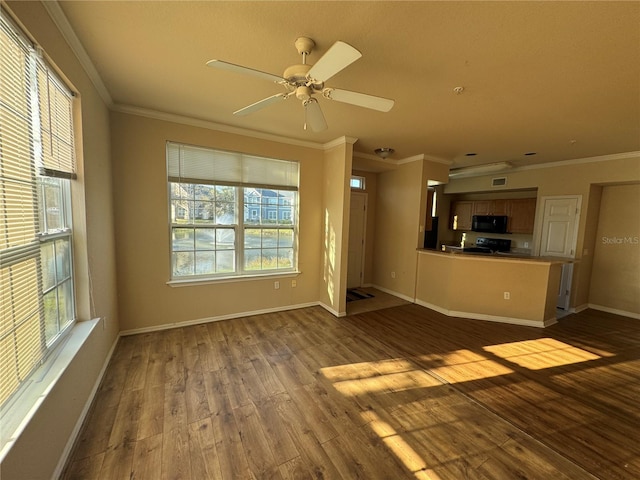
305, 80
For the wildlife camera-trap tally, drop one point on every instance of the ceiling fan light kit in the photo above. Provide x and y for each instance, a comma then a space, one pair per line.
303, 81
384, 152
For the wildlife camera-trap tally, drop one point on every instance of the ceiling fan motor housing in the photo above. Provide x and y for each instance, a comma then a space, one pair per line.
296, 76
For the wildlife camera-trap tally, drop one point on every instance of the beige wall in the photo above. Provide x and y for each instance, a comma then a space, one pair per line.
142, 228
39, 448
400, 212
615, 279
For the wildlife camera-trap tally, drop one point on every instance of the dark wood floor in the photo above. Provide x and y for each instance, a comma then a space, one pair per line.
398, 393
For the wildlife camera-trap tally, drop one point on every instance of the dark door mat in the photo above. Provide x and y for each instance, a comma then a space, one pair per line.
357, 294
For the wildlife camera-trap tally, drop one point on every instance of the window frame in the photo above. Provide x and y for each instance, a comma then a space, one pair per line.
248, 197
52, 155
359, 179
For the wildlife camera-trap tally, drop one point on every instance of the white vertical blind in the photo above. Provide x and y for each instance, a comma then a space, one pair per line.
36, 132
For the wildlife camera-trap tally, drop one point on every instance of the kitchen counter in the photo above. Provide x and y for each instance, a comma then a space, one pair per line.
498, 255
521, 290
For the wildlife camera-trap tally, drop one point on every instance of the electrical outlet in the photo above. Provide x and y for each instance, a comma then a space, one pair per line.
526, 244
294, 284
276, 285
393, 274
507, 295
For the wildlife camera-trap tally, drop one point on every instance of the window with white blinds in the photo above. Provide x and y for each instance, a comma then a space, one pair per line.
231, 214
37, 163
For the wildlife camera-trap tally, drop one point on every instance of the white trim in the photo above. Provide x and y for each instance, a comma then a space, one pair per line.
576, 161
395, 294
182, 120
615, 311
402, 161
230, 316
333, 312
525, 322
559, 163
60, 19
580, 308
344, 140
188, 282
25, 406
85, 410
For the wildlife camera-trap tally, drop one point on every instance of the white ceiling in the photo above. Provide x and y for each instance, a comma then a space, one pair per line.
561, 79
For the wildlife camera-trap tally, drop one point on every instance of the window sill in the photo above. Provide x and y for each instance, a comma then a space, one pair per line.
19, 411
243, 278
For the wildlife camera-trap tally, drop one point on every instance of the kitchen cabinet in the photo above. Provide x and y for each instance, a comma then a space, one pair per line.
491, 207
461, 213
522, 215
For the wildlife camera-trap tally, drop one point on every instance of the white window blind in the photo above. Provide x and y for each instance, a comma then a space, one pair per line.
190, 164
36, 137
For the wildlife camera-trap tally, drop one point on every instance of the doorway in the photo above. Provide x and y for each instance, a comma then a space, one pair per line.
357, 234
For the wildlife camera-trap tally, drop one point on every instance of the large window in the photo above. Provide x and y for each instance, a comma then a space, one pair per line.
231, 214
37, 163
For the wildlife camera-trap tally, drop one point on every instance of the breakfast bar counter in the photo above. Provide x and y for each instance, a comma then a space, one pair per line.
501, 288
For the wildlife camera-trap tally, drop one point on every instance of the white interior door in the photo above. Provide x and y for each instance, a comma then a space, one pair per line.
560, 226
357, 224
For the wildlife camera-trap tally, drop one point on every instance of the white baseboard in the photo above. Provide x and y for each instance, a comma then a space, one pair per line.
615, 311
579, 308
395, 294
491, 318
85, 410
331, 310
198, 321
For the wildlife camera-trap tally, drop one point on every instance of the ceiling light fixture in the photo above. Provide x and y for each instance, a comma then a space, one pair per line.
384, 152
479, 169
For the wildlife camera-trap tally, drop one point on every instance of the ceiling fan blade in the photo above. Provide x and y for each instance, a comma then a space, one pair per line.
359, 99
232, 67
265, 102
338, 57
313, 116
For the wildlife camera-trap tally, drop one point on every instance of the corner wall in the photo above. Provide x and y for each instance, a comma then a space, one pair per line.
400, 214
336, 203
615, 279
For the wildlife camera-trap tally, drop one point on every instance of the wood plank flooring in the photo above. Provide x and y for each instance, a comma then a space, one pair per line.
398, 393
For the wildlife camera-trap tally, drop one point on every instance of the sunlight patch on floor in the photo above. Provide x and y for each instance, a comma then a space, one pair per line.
541, 353
388, 383
366, 369
401, 449
463, 366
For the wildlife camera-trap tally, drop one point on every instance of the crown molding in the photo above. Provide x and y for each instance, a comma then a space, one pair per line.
577, 161
402, 161
344, 140
194, 122
60, 19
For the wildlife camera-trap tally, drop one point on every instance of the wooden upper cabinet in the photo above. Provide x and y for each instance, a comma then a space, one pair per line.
490, 207
461, 213
522, 215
